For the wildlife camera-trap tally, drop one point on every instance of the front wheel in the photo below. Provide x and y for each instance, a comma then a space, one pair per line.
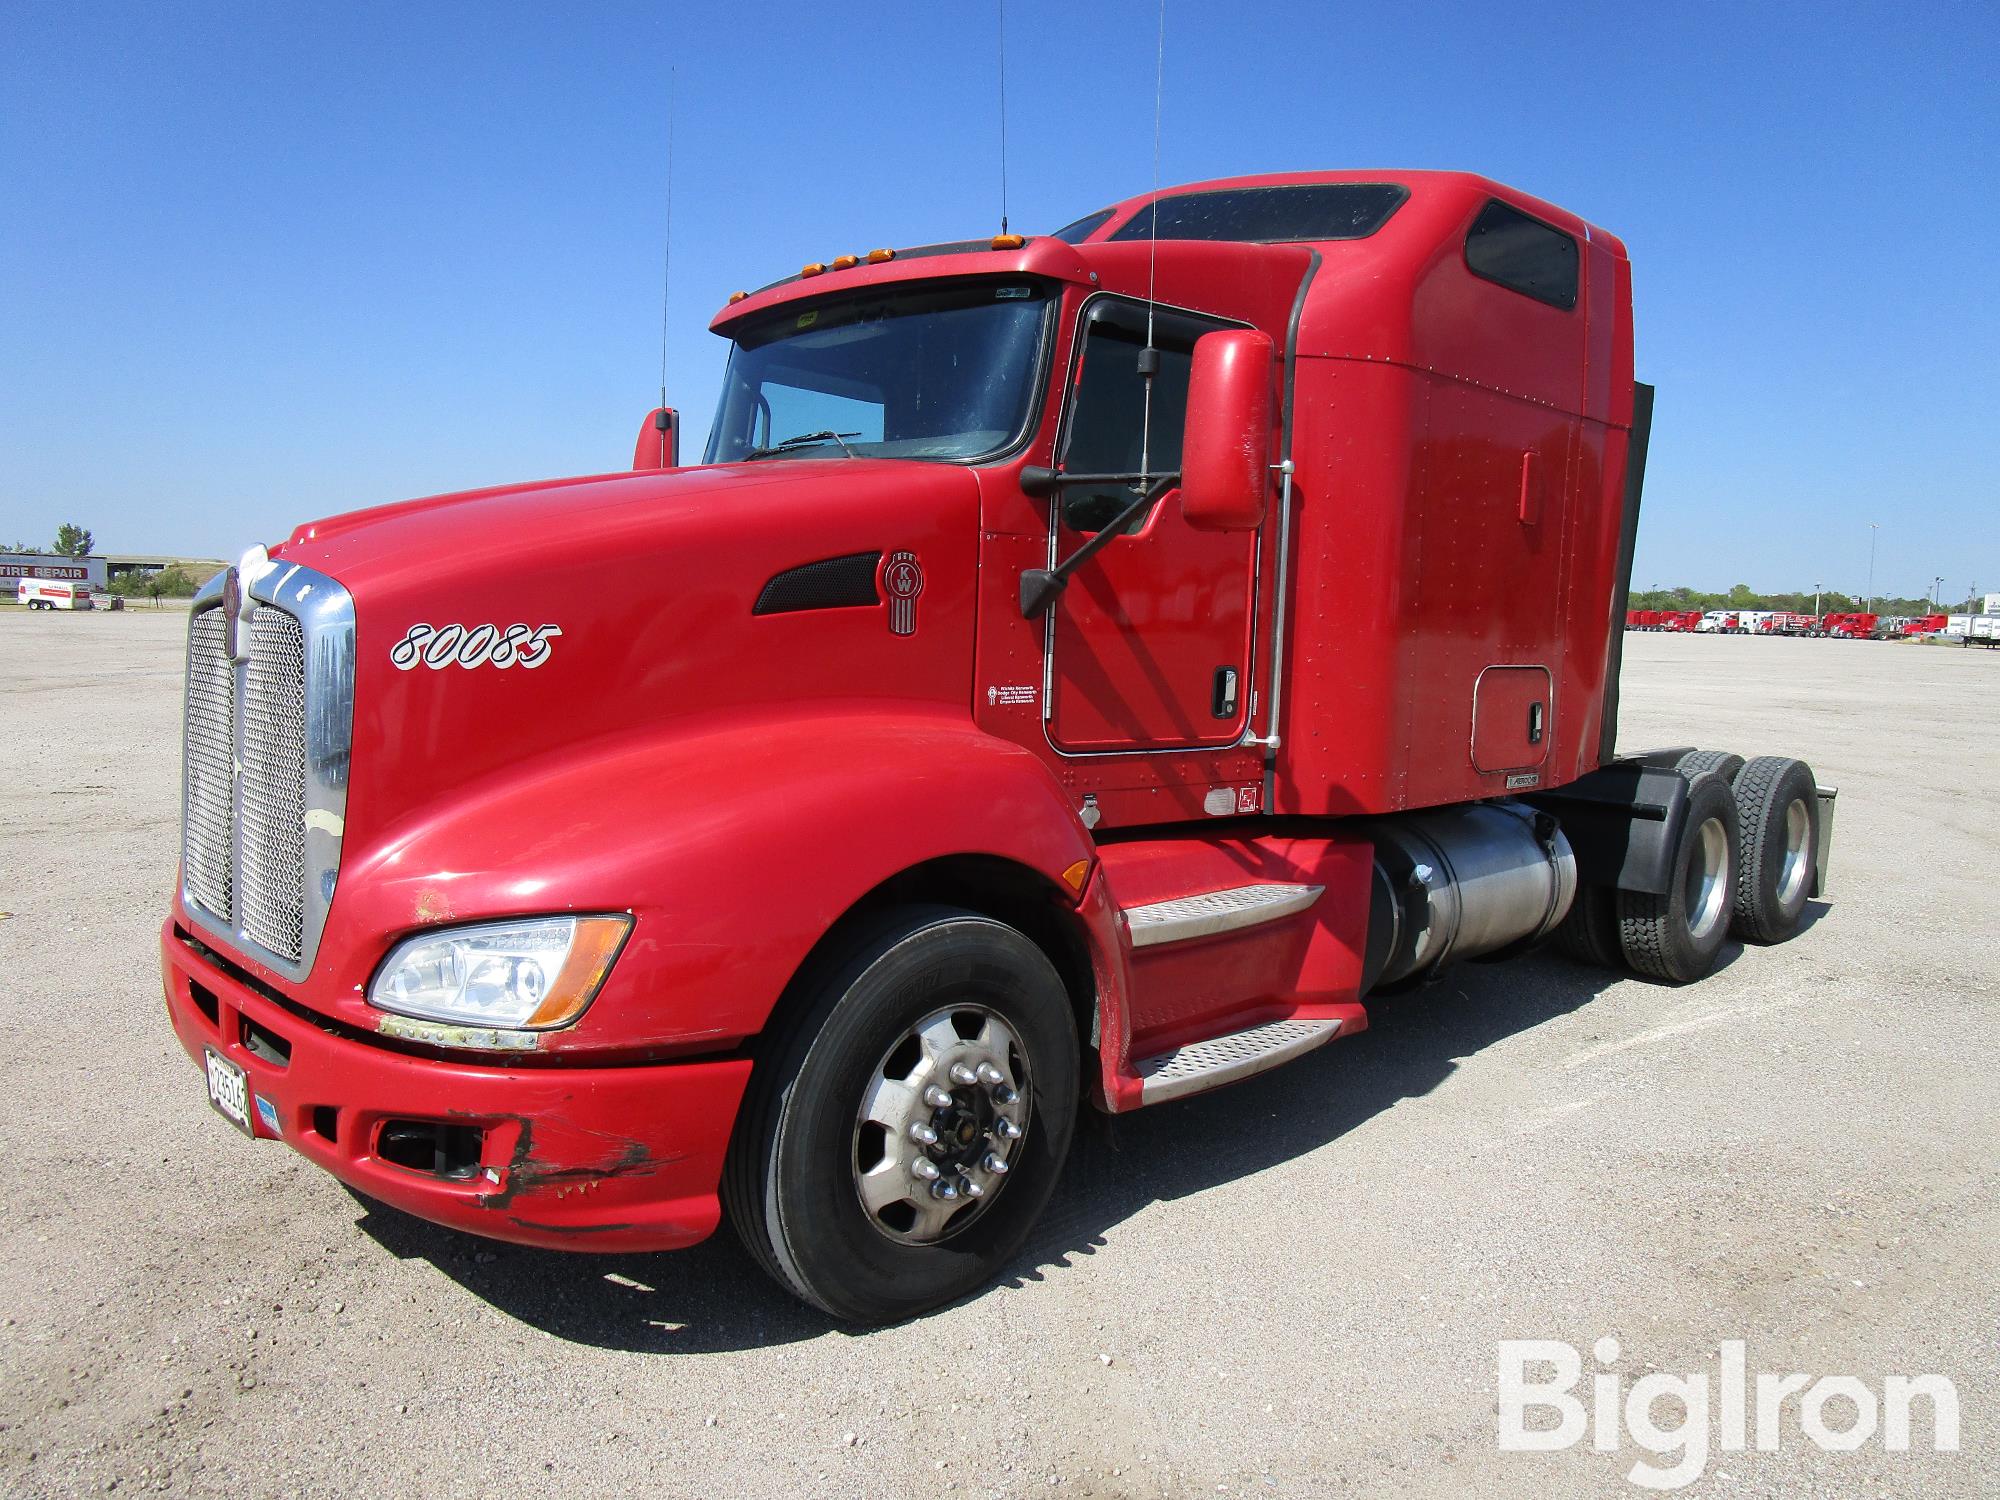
897, 1146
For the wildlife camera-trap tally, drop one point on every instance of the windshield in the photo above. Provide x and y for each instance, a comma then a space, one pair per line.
941, 372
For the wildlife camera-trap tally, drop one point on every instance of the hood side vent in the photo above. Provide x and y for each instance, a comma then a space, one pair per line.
831, 583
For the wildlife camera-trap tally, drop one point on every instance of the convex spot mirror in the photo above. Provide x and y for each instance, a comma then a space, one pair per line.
1226, 451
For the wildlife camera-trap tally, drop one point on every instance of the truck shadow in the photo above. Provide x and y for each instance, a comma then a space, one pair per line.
712, 1297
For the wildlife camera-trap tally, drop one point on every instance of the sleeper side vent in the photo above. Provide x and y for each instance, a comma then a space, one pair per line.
831, 583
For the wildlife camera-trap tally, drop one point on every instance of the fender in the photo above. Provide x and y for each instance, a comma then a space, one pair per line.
735, 847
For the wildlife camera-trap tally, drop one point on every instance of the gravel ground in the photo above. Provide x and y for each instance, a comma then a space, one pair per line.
1294, 1287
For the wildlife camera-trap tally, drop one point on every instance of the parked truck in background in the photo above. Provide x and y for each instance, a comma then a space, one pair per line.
1973, 630
1850, 625
1036, 698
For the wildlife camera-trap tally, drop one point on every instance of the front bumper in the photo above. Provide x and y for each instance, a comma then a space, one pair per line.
581, 1158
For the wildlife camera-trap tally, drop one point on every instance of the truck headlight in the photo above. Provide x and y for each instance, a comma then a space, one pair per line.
533, 973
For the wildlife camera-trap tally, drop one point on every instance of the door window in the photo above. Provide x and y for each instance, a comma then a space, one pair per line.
1151, 640
1110, 428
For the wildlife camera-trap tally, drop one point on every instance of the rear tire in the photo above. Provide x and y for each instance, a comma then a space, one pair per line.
1589, 934
1723, 762
1777, 808
870, 1241
1676, 937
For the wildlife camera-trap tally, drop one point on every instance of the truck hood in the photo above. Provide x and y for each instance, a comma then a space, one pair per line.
631, 603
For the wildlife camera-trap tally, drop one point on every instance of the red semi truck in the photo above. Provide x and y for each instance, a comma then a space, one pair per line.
1038, 698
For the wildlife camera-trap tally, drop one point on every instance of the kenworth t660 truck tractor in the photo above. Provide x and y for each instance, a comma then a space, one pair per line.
1084, 670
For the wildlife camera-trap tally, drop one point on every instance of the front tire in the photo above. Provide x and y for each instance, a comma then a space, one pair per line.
830, 1183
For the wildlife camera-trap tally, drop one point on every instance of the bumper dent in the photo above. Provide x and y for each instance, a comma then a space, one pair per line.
612, 1159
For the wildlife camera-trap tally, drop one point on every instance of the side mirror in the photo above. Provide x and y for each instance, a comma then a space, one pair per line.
1226, 451
659, 445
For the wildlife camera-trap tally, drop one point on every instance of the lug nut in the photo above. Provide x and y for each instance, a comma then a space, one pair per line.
970, 1188
1006, 1129
922, 1134
945, 1188
1004, 1095
995, 1163
937, 1098
962, 1073
988, 1074
925, 1168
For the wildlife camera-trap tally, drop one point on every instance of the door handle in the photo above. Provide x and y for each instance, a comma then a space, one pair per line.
1222, 696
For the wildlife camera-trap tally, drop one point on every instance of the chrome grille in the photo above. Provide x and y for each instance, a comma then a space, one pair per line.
274, 784
268, 741
207, 848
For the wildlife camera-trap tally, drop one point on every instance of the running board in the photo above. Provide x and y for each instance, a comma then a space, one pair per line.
1223, 1059
1211, 912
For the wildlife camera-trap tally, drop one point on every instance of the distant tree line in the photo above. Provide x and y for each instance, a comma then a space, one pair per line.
71, 540
174, 582
1830, 602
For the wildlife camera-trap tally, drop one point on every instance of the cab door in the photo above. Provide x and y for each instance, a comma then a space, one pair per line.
1150, 643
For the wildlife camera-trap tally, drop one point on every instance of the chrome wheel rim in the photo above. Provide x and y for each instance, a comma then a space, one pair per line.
1707, 890
1798, 846
940, 1125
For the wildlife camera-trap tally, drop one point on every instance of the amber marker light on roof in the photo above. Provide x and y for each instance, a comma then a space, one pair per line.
876, 257
846, 262
736, 297
1008, 241
811, 268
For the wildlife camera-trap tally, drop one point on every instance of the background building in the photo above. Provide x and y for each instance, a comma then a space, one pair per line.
14, 566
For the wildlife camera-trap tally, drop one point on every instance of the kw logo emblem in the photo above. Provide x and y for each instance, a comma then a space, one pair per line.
903, 580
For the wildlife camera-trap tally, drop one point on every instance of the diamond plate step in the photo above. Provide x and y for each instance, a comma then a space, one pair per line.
1224, 1059
1211, 912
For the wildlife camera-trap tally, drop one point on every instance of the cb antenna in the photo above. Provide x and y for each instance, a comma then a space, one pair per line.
1149, 357
1000, 6
667, 254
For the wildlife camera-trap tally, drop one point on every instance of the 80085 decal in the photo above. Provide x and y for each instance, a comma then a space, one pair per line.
441, 646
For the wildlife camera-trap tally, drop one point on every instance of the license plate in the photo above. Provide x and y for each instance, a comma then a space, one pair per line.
229, 1092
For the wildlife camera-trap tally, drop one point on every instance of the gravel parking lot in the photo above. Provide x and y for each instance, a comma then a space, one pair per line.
1293, 1287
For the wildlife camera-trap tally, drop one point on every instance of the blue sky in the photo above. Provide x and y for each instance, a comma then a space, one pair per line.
265, 262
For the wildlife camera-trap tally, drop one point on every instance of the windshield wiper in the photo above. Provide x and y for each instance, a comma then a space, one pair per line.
805, 440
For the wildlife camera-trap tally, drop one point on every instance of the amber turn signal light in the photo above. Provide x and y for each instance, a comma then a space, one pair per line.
595, 945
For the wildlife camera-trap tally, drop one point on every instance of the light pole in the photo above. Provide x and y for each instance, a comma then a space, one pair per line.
1818, 589
1872, 529
1937, 590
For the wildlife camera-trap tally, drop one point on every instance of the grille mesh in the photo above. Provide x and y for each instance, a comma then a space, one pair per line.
211, 726
274, 784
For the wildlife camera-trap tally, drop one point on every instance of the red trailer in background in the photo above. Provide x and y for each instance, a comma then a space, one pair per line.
1681, 620
1850, 625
